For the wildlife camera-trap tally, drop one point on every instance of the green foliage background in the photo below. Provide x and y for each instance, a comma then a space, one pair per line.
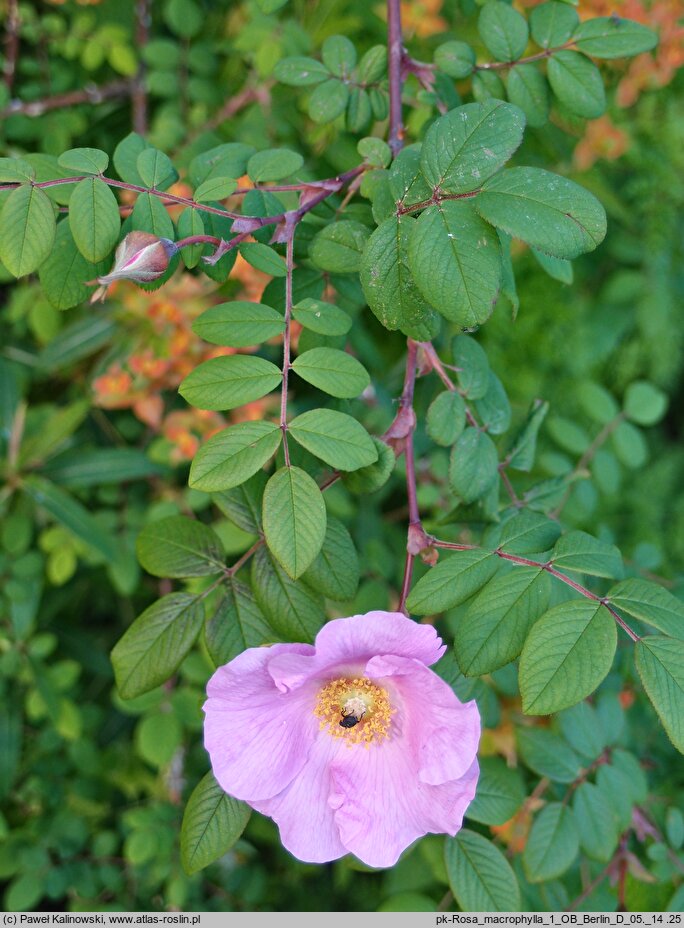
93, 786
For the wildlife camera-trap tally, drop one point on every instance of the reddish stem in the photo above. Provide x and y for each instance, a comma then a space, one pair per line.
289, 263
139, 93
406, 402
395, 50
550, 569
91, 94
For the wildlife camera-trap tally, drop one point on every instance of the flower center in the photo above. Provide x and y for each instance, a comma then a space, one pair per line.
356, 710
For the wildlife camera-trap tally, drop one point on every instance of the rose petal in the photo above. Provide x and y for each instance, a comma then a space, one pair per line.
381, 807
444, 733
306, 822
360, 637
258, 739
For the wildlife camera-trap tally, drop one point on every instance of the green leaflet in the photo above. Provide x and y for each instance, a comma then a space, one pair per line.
94, 218
264, 259
503, 30
473, 366
212, 823
660, 662
27, 230
64, 273
577, 83
328, 101
242, 504
553, 23
582, 552
323, 318
446, 418
155, 169
527, 89
227, 382
480, 877
552, 845
72, 514
465, 147
273, 164
180, 547
153, 647
567, 654
335, 438
650, 603
457, 59
335, 570
217, 188
407, 184
453, 580
528, 533
239, 324
294, 519
84, 160
474, 465
547, 754
613, 37
149, 215
294, 611
236, 624
644, 403
597, 825
299, 71
335, 372
545, 210
500, 793
338, 247
388, 284
493, 630
455, 261
230, 457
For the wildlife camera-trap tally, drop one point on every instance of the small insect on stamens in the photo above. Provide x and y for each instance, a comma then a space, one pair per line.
349, 719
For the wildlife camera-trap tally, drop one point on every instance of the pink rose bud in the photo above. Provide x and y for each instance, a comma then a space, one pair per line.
141, 257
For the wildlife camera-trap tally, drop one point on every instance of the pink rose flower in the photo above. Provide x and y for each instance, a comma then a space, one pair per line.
352, 745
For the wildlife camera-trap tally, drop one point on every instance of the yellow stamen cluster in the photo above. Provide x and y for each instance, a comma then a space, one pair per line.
336, 699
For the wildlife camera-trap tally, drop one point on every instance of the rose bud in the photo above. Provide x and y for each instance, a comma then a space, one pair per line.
141, 257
